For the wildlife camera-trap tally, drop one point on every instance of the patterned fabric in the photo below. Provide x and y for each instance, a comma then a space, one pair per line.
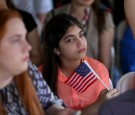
12, 102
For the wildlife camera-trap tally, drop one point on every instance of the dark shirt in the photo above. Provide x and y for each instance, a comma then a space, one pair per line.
124, 104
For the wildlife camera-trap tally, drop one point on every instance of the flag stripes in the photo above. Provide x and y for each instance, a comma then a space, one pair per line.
82, 78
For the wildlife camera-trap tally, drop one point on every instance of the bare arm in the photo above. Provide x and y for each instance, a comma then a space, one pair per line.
129, 6
34, 41
59, 110
54, 109
105, 44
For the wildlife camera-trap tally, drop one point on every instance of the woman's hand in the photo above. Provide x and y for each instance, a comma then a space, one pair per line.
107, 94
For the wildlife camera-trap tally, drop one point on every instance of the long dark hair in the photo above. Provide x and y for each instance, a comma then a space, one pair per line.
54, 31
101, 11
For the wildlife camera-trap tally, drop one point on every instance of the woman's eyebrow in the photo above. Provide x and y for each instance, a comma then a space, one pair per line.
67, 36
81, 31
15, 36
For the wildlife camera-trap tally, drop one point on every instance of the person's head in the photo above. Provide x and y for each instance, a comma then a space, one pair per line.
14, 49
64, 40
14, 57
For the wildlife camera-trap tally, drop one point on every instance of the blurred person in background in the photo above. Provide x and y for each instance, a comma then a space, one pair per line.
37, 8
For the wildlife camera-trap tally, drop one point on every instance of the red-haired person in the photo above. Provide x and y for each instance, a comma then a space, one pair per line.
22, 88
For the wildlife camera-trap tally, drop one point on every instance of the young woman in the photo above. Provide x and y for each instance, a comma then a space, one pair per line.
64, 50
99, 27
21, 94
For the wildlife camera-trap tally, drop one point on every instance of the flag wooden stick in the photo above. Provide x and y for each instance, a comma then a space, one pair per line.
97, 75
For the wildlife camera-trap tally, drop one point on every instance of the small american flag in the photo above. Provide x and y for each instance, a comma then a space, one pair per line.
82, 77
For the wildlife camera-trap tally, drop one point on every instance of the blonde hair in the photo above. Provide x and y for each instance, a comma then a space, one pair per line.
23, 82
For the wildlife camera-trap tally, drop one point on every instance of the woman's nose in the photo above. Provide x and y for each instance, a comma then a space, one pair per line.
79, 42
27, 46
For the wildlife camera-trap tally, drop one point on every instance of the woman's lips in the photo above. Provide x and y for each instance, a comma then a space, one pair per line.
27, 58
82, 50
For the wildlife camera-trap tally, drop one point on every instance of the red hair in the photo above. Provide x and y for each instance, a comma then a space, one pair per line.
23, 82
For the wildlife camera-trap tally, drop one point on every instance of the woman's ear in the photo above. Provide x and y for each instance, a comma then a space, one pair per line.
56, 51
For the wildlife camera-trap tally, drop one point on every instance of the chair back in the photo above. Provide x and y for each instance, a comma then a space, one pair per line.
126, 82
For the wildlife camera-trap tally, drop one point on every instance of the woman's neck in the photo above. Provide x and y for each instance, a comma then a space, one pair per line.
67, 67
77, 10
5, 79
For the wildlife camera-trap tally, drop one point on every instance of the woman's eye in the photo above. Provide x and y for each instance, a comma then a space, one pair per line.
82, 35
70, 39
16, 40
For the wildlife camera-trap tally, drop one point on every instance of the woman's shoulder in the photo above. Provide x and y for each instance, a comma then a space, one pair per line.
92, 60
95, 64
34, 73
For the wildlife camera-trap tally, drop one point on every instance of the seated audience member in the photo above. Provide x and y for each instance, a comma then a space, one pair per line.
20, 93
65, 50
123, 104
98, 26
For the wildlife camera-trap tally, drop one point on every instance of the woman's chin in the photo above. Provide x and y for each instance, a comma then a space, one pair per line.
22, 68
83, 55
